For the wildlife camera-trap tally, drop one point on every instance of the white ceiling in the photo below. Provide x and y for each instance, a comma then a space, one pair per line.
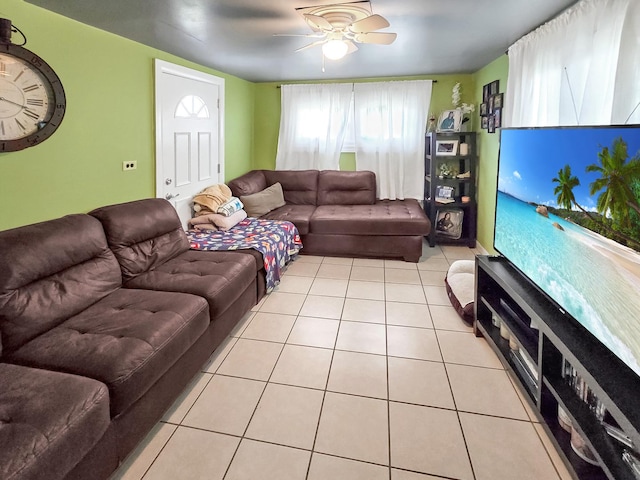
236, 36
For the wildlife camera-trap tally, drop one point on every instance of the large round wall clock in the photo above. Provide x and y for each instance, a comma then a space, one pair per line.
32, 100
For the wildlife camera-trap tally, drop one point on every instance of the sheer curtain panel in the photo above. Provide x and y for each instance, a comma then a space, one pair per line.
390, 120
312, 125
581, 68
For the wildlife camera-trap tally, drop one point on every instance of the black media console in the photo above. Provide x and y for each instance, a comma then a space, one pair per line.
538, 356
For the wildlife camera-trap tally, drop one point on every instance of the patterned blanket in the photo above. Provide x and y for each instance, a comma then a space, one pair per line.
277, 241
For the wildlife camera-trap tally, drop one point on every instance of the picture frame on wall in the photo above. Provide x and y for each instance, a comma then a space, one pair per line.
492, 124
494, 87
497, 100
486, 92
497, 118
449, 121
449, 222
483, 109
485, 122
446, 148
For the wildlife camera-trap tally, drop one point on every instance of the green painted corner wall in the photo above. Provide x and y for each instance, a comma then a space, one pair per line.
267, 112
110, 118
488, 149
108, 82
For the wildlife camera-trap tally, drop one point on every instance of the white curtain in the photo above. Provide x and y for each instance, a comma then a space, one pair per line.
582, 68
312, 125
390, 120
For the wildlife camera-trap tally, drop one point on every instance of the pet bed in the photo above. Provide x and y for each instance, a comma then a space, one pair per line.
460, 285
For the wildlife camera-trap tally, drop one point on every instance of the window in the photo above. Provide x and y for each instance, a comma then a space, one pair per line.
192, 106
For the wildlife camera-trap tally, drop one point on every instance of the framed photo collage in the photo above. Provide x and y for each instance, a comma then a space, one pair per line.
491, 106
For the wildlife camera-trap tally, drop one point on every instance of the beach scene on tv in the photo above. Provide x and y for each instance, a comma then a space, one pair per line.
568, 216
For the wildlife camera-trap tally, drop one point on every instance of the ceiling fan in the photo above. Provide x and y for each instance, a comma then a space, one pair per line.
339, 27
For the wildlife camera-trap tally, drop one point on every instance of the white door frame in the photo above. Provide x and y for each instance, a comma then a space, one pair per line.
162, 68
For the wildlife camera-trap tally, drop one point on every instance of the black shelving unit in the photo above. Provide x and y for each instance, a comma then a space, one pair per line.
463, 187
505, 295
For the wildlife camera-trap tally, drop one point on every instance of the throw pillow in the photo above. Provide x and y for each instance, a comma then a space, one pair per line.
263, 202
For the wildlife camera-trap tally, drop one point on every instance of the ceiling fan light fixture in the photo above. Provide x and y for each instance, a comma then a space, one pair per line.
335, 49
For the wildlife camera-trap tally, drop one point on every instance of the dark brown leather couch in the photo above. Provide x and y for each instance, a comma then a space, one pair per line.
337, 213
104, 319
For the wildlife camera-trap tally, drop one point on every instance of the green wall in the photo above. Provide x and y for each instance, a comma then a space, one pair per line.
110, 118
108, 82
488, 148
267, 112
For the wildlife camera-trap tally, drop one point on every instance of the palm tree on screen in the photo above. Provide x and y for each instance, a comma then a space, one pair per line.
616, 177
564, 190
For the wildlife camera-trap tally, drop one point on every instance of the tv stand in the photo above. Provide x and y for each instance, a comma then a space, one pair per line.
536, 357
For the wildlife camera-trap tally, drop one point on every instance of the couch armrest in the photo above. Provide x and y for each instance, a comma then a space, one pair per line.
249, 183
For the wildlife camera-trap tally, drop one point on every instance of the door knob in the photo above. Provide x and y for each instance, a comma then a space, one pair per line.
169, 196
168, 181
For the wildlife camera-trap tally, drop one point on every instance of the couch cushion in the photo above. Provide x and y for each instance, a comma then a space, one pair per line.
299, 215
251, 182
385, 217
127, 341
48, 421
262, 202
142, 234
300, 187
219, 277
50, 271
346, 188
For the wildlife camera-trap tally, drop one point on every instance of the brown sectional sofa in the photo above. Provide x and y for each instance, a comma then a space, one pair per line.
104, 319
337, 213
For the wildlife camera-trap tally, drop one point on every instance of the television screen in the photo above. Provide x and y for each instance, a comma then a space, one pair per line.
568, 217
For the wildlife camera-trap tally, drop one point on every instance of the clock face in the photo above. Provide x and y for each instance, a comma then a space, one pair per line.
32, 101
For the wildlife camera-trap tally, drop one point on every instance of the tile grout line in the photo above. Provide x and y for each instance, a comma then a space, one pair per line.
386, 346
326, 385
464, 438
266, 384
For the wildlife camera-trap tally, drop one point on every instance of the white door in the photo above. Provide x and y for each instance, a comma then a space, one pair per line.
189, 134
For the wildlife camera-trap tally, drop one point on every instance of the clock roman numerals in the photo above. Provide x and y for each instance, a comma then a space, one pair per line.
32, 99
31, 114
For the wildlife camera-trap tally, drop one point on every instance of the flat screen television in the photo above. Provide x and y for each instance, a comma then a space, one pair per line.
568, 217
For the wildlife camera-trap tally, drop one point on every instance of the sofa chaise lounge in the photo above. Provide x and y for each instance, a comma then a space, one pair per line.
337, 213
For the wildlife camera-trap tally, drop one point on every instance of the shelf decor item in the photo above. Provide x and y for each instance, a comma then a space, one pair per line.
449, 222
465, 108
450, 121
444, 194
447, 147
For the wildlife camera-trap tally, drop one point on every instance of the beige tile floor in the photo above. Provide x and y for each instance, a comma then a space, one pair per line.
351, 369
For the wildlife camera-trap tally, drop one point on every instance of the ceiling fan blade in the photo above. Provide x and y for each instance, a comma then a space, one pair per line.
317, 22
308, 35
369, 24
379, 38
352, 47
314, 44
